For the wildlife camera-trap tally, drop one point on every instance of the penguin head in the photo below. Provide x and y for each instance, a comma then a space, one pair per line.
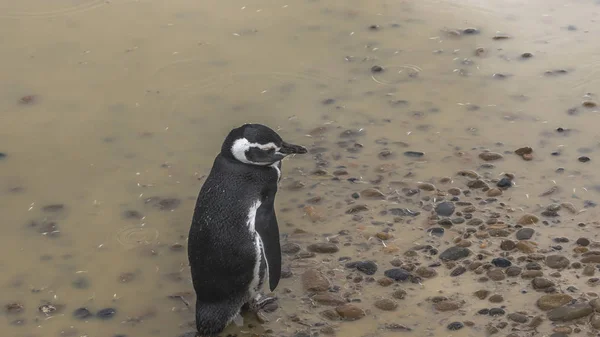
257, 144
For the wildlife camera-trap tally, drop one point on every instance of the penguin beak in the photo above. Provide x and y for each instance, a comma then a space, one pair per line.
287, 149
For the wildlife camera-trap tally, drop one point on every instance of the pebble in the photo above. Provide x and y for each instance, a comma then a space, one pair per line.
2, 155
290, 248
525, 233
436, 231
518, 317
14, 308
494, 192
447, 306
552, 301
445, 208
490, 156
482, 294
328, 299
367, 267
584, 159
454, 253
455, 326
557, 261
350, 312
507, 245
504, 183
496, 274
570, 312
414, 154
458, 271
107, 313
496, 312
323, 248
426, 187
397, 274
82, 313
501, 262
526, 247
399, 294
426, 272
583, 242
528, 219
497, 298
541, 283
513, 271
314, 281
372, 193
386, 304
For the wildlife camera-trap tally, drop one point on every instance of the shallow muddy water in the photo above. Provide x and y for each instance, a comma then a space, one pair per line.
112, 113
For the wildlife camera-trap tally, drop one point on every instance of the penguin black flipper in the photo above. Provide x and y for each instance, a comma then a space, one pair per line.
266, 227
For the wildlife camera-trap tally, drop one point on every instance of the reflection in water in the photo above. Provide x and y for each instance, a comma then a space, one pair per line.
113, 110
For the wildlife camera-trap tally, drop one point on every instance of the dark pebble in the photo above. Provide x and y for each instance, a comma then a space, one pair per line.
132, 214
397, 274
496, 312
107, 313
484, 311
376, 69
504, 183
328, 101
501, 262
458, 271
526, 55
455, 326
2, 155
584, 159
414, 154
525, 233
355, 195
470, 31
82, 313
436, 231
583, 242
445, 208
367, 267
454, 253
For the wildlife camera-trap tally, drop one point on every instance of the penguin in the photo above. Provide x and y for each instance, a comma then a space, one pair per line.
233, 242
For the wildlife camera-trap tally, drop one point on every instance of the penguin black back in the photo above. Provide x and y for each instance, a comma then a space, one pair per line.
233, 243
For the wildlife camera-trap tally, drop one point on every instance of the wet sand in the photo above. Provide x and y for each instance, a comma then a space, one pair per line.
419, 210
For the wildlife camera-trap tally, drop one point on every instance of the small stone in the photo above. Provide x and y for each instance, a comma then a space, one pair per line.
436, 231
557, 261
329, 314
589, 270
454, 253
458, 271
513, 271
523, 150
350, 312
552, 301
583, 242
589, 104
107, 313
14, 308
490, 156
482, 294
367, 267
385, 281
290, 248
591, 259
445, 208
525, 233
397, 274
595, 321
504, 183
386, 304
82, 313
414, 154
496, 298
541, 283
314, 281
584, 159
496, 312
507, 245
526, 247
455, 326
496, 274
323, 248
530, 274
447, 305
426, 272
501, 262
399, 294
517, 317
384, 236
570, 312
426, 187
494, 192
376, 69
528, 219
372, 193
328, 299
357, 209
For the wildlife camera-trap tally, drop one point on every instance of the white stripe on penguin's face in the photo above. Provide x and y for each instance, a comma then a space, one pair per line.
242, 145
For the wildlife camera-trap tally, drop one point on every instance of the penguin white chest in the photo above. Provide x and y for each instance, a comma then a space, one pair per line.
259, 247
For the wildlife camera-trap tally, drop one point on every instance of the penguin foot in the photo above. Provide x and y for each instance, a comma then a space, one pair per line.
261, 305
